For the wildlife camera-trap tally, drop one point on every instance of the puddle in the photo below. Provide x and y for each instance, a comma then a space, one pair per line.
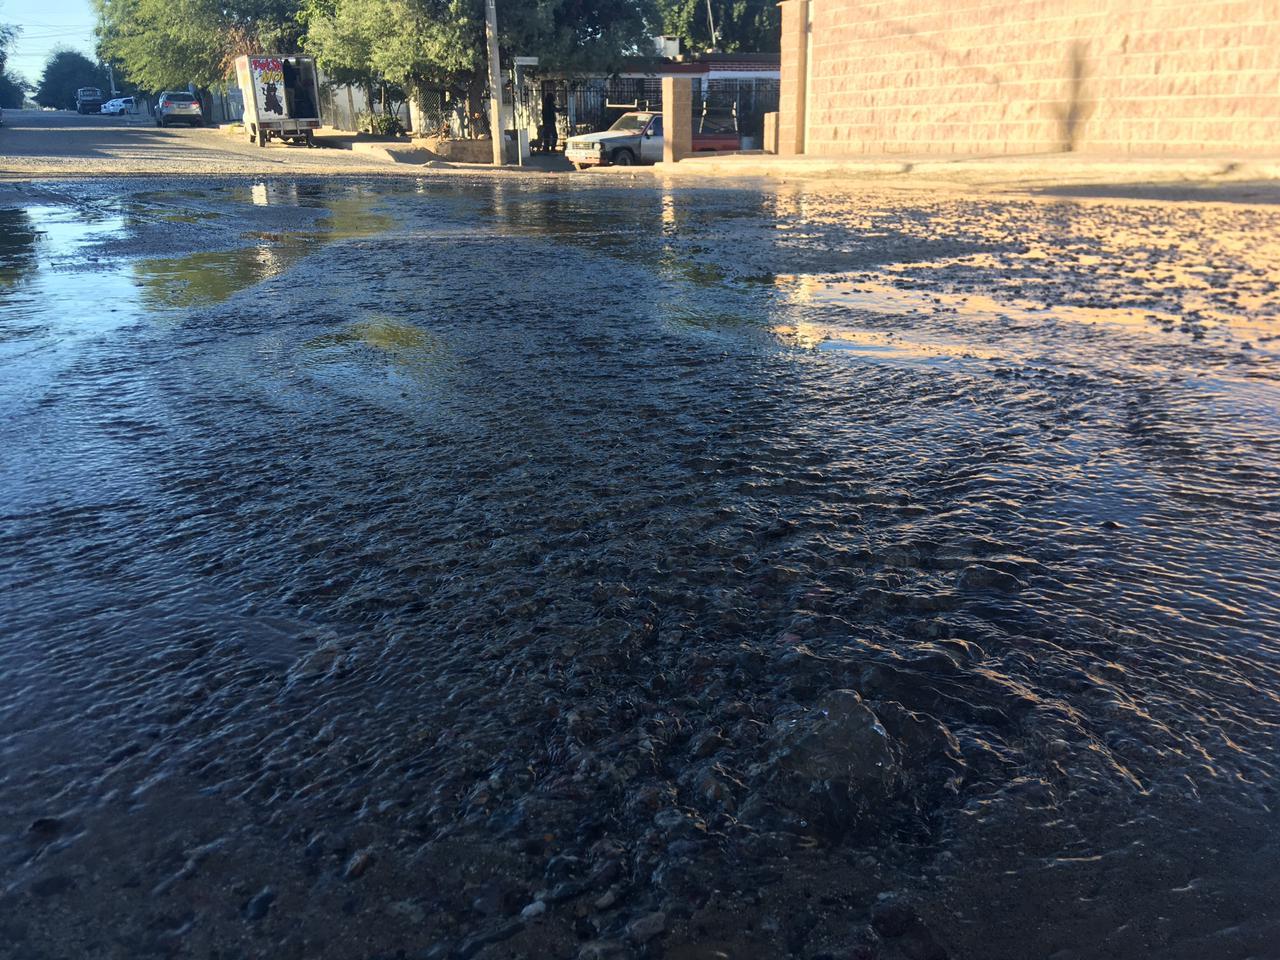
869, 295
686, 316
17, 245
386, 358
879, 319
385, 336
40, 243
44, 303
72, 271
884, 347
57, 241
205, 278
348, 218
347, 212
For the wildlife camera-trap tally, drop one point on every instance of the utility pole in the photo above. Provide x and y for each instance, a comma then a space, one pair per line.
712, 21
495, 80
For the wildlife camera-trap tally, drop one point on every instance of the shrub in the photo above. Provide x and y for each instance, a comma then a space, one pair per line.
381, 124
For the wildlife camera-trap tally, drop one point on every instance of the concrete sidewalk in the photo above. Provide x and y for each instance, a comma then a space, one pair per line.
1207, 178
414, 152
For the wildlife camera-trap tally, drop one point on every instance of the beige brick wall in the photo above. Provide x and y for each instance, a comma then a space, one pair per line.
791, 88
1027, 76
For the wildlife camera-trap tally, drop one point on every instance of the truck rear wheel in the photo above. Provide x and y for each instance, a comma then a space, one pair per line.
623, 157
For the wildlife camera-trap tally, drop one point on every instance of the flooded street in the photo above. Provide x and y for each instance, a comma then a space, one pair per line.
479, 568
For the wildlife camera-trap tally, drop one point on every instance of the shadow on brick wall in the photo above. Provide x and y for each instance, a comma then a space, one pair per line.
1072, 114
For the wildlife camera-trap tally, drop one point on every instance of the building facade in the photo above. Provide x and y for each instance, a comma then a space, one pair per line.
981, 77
744, 84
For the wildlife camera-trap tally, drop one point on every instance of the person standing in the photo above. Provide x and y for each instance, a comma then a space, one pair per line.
549, 122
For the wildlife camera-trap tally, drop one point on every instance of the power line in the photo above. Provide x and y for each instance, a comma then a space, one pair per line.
55, 26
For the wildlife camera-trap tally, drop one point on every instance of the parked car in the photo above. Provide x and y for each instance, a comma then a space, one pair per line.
120, 106
88, 100
636, 137
178, 106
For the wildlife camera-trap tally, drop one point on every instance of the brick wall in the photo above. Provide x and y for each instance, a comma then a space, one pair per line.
791, 88
1023, 76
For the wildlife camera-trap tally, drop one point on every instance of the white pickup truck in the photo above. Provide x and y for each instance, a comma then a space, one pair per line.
637, 138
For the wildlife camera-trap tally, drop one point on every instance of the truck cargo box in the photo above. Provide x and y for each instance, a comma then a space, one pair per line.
281, 97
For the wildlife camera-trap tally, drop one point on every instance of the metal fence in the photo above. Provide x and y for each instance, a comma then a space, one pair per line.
749, 100
343, 105
587, 104
445, 113
583, 105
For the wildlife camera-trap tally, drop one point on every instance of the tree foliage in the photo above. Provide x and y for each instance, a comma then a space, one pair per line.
442, 41
6, 38
167, 43
582, 34
65, 72
159, 44
750, 26
7, 34
400, 41
12, 92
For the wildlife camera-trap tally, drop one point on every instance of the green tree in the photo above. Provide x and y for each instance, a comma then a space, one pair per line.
6, 38
159, 44
742, 26
13, 91
7, 34
581, 34
442, 41
399, 41
395, 45
64, 73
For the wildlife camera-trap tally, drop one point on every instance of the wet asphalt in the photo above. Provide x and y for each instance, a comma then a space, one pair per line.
564, 569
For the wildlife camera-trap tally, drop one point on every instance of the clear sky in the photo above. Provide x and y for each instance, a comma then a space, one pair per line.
46, 25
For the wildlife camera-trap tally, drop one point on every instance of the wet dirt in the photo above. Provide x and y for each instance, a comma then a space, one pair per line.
513, 569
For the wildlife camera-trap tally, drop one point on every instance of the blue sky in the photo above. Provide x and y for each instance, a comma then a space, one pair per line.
46, 25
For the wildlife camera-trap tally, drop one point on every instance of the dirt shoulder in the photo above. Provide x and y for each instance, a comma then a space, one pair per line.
1211, 178
43, 145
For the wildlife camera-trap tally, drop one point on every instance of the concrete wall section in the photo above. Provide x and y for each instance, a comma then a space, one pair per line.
791, 88
1023, 76
677, 118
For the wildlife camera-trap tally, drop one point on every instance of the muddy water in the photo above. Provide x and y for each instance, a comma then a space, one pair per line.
472, 569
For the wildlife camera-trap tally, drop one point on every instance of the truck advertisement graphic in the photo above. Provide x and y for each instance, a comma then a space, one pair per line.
268, 78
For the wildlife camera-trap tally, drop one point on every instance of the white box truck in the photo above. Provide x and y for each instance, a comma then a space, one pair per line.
281, 97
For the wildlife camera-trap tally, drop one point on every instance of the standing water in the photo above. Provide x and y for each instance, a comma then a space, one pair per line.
493, 569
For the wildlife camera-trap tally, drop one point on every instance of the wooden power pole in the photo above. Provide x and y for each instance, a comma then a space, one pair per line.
495, 81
